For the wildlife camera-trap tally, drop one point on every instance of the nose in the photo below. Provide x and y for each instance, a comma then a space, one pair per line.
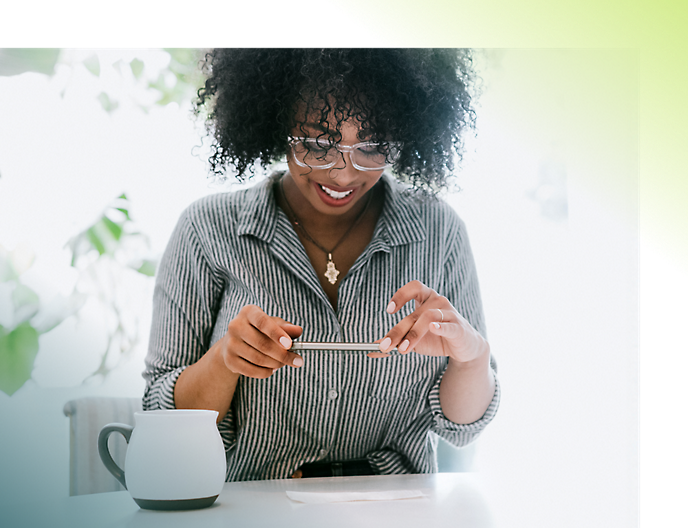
343, 171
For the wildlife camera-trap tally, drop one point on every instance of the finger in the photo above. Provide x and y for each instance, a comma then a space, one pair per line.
257, 357
415, 326
245, 368
448, 330
397, 333
265, 346
291, 329
403, 332
377, 355
271, 338
414, 290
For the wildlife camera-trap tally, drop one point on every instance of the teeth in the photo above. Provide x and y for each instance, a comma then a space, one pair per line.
335, 194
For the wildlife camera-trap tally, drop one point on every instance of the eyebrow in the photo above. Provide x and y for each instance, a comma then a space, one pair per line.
315, 126
322, 130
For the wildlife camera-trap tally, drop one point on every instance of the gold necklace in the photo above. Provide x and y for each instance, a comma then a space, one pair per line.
332, 272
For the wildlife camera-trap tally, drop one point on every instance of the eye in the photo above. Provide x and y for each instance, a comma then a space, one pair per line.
313, 146
370, 149
317, 146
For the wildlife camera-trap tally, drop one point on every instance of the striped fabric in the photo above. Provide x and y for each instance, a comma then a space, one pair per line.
233, 249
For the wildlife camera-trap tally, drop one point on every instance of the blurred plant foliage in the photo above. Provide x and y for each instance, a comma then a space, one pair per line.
14, 61
186, 76
24, 317
176, 82
105, 254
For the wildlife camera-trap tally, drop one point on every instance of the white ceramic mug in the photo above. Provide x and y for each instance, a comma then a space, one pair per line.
175, 458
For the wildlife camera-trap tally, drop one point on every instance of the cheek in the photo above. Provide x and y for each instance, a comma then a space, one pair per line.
301, 175
374, 178
295, 170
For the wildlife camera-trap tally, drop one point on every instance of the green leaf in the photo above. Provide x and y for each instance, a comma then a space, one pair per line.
57, 310
14, 61
147, 268
109, 105
136, 66
115, 229
7, 271
104, 235
23, 295
94, 239
187, 75
26, 303
125, 211
93, 65
18, 350
79, 245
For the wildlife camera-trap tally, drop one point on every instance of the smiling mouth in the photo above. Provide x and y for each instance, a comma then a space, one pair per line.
335, 194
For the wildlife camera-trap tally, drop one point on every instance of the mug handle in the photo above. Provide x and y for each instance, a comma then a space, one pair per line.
104, 452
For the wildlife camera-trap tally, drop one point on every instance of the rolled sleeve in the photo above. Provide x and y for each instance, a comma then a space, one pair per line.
461, 435
160, 392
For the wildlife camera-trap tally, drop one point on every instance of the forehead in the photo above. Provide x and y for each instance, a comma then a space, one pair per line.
326, 115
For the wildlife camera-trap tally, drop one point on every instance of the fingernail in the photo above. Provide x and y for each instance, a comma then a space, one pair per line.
384, 345
297, 362
285, 342
391, 306
404, 345
436, 325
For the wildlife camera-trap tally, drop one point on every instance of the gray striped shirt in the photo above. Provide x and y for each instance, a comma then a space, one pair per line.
233, 249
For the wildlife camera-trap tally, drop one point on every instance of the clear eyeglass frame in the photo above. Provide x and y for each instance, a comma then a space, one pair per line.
316, 144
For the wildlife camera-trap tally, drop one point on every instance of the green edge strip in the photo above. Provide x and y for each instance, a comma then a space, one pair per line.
657, 30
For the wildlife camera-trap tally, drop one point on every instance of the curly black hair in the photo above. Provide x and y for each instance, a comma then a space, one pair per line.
419, 98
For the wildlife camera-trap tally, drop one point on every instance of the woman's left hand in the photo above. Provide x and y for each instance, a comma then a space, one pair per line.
434, 328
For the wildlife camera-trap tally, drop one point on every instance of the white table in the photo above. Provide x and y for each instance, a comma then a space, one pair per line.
453, 500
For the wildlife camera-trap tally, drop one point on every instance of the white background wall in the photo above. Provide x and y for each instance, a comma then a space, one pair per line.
560, 291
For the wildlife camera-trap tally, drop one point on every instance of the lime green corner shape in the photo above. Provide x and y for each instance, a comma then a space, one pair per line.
656, 29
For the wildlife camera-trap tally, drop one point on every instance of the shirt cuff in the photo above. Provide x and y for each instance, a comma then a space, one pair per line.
160, 394
461, 434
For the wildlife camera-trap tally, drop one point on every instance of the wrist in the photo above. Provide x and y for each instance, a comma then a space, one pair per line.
479, 362
219, 365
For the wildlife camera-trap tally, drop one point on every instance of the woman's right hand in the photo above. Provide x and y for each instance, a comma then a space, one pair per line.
256, 344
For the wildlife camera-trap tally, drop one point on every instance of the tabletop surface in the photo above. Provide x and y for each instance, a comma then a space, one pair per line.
451, 499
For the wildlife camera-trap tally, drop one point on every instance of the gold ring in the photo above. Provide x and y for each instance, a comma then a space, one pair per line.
442, 316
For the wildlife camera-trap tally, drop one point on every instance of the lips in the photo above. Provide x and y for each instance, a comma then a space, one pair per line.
335, 196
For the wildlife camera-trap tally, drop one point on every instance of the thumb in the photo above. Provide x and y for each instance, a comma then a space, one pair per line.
449, 330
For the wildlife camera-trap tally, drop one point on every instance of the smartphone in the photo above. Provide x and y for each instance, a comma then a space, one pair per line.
344, 347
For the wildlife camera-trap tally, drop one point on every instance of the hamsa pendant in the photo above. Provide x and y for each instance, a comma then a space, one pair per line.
332, 273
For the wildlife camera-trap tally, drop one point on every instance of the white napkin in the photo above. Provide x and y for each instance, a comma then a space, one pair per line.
323, 497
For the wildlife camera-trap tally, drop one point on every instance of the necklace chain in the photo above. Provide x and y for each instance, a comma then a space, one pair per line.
332, 272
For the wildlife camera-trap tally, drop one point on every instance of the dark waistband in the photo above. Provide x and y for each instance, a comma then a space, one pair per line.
347, 468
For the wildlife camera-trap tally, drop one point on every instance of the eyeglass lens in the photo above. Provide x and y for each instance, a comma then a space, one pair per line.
316, 155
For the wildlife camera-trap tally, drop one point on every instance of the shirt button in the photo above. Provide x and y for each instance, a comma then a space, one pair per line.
332, 394
322, 453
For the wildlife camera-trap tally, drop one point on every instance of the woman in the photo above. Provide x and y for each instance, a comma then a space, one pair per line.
334, 249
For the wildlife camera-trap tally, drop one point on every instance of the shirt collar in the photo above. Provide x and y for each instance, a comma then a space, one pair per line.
399, 221
258, 215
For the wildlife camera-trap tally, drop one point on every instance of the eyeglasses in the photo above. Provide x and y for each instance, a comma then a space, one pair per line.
320, 154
